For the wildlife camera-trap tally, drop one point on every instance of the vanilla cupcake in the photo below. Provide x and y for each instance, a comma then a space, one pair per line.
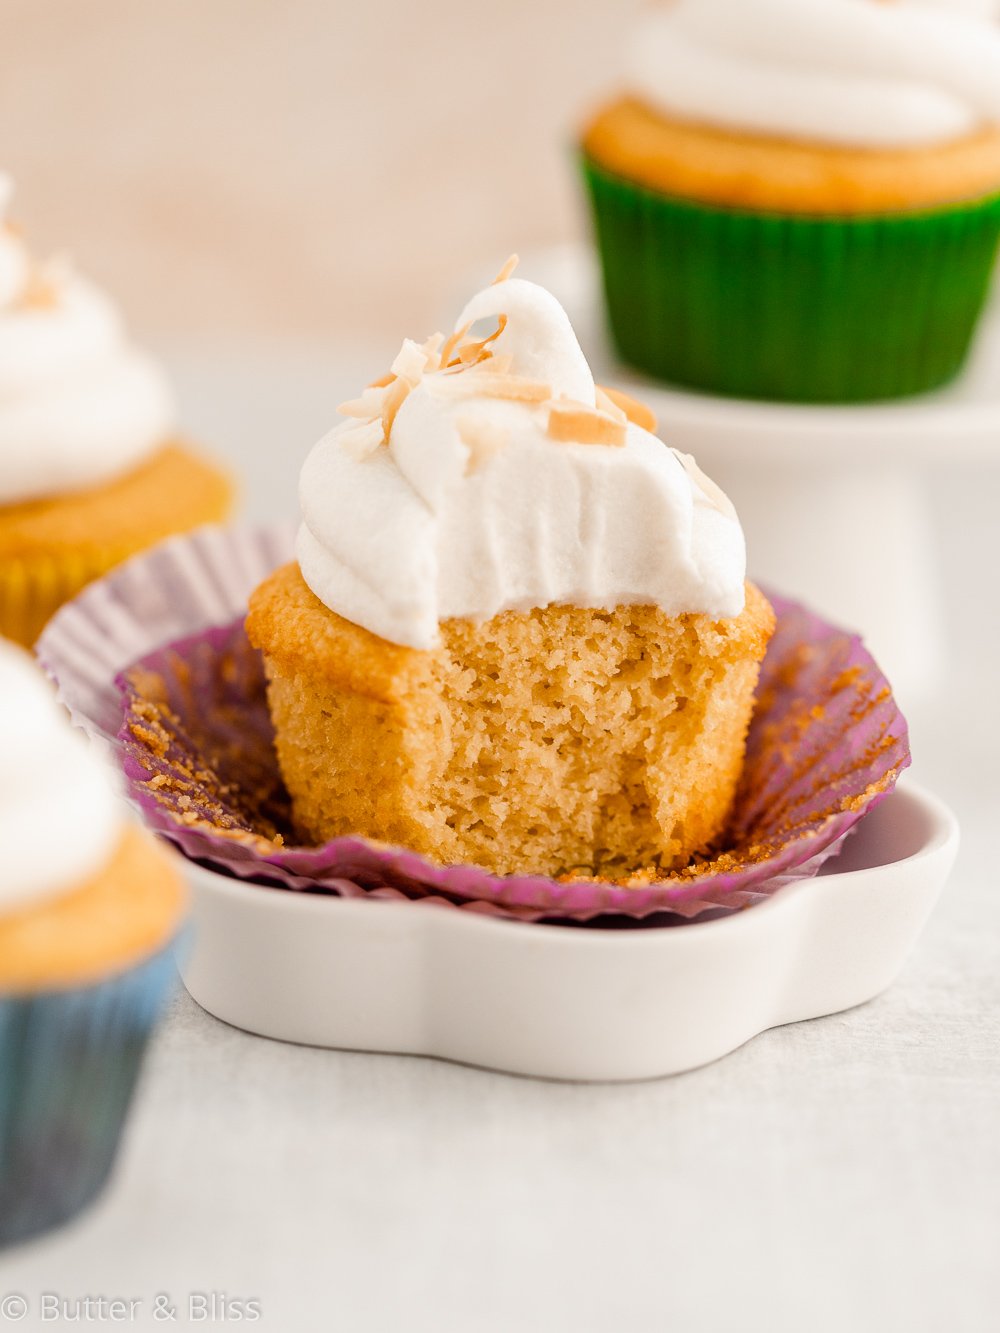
88, 909
91, 469
518, 632
800, 199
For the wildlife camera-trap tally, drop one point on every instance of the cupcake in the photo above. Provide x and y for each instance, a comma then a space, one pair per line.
91, 470
88, 909
800, 200
518, 632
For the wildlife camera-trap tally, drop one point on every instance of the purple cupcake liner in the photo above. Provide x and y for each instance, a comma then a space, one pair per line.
827, 743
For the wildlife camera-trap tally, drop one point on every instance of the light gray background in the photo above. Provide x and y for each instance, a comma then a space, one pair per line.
839, 1174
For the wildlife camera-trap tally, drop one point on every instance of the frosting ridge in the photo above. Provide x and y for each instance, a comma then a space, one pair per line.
852, 72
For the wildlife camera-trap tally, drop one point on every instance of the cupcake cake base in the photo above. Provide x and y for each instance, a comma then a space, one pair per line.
51, 548
604, 740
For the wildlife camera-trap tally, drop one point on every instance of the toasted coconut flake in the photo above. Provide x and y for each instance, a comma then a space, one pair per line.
362, 439
506, 271
395, 396
476, 350
431, 349
383, 381
714, 495
471, 354
575, 423
489, 385
483, 439
456, 339
605, 403
410, 362
638, 413
366, 407
501, 325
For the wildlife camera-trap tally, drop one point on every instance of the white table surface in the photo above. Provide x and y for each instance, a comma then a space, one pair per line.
839, 1174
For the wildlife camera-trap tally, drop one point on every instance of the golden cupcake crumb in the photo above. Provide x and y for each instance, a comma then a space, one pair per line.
560, 741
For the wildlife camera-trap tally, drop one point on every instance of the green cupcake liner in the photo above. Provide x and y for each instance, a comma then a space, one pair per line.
69, 1061
794, 308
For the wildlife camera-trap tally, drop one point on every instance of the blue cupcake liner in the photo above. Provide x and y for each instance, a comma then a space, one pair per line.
69, 1061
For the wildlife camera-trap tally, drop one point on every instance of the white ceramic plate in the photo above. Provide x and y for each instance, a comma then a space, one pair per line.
562, 1002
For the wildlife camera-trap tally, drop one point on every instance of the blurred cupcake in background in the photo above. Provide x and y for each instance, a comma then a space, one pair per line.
89, 907
800, 199
91, 470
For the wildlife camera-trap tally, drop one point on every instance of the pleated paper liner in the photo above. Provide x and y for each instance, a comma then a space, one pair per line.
69, 1061
827, 744
185, 584
789, 307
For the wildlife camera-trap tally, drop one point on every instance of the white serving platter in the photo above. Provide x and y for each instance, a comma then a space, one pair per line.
562, 1002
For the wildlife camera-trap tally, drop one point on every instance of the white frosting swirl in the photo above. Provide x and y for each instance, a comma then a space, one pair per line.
419, 531
78, 405
856, 73
59, 817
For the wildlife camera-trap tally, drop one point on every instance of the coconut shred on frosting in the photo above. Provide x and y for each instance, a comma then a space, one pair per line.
489, 473
59, 817
856, 73
78, 405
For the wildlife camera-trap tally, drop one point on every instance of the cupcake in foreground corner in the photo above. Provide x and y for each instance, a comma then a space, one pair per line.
518, 632
88, 908
91, 470
800, 199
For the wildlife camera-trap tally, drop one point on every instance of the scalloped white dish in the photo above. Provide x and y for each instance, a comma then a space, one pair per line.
566, 1002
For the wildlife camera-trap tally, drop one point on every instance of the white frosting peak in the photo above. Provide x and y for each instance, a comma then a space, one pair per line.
481, 493
59, 818
537, 335
78, 405
858, 73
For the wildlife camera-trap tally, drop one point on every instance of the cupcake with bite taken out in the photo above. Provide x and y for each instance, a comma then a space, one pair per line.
88, 909
91, 468
800, 199
518, 632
